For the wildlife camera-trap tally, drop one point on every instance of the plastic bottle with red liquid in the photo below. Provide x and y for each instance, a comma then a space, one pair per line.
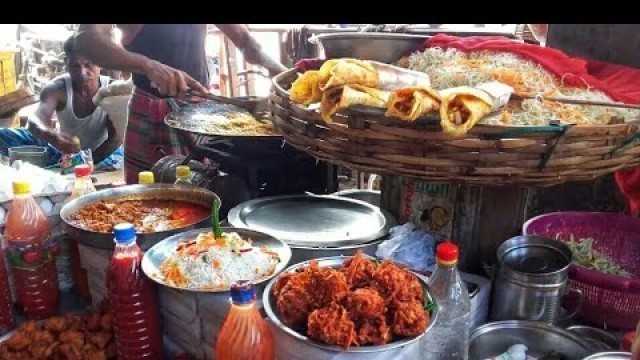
82, 185
7, 322
31, 254
132, 297
245, 334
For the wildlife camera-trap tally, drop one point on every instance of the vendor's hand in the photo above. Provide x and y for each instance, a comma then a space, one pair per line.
65, 144
170, 81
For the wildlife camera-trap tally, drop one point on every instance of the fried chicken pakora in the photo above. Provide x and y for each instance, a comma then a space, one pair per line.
374, 331
394, 282
365, 303
409, 318
358, 271
360, 303
67, 337
332, 326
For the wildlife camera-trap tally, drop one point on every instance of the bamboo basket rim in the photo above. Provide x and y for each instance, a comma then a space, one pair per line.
515, 154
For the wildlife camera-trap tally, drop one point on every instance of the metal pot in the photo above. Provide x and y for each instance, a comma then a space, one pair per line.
493, 339
530, 280
382, 47
99, 240
36, 155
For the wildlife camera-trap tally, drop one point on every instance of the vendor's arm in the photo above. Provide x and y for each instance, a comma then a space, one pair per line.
52, 98
94, 42
109, 146
250, 48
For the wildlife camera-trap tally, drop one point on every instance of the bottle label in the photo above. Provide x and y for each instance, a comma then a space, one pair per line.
69, 161
30, 256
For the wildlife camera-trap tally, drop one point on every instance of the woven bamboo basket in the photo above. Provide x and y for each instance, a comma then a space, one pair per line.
16, 100
488, 155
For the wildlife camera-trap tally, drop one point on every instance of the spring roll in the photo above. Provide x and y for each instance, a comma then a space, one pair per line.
392, 77
347, 71
306, 90
342, 97
462, 107
410, 103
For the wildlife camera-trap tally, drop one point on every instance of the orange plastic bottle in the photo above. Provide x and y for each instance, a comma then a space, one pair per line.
31, 254
245, 335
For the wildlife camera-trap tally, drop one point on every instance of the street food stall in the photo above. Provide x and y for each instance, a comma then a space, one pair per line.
479, 140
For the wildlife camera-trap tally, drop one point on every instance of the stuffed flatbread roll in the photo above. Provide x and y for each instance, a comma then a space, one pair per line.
338, 72
342, 97
305, 90
462, 107
410, 103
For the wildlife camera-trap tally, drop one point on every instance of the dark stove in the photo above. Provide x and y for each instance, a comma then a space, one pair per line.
268, 166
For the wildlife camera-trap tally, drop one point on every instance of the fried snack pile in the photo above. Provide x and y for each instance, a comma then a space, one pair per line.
362, 303
68, 337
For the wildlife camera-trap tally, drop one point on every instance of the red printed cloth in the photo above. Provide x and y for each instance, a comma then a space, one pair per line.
621, 83
148, 138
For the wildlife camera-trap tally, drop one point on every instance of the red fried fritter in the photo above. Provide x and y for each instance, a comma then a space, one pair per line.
332, 325
374, 331
396, 283
365, 303
358, 271
408, 318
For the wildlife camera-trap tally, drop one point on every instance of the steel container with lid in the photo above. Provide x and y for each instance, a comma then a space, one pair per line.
531, 278
316, 225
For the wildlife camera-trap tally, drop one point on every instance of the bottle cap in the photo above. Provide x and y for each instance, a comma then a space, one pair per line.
242, 292
82, 170
146, 177
21, 187
124, 233
183, 171
447, 253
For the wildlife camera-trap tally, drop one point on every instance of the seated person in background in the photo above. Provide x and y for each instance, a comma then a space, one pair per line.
70, 97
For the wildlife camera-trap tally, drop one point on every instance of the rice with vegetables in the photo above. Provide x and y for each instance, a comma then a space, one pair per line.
210, 263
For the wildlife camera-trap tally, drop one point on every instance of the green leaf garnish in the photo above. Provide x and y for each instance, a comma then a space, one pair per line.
215, 219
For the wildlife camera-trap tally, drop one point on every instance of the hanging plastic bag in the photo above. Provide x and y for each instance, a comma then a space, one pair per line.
410, 247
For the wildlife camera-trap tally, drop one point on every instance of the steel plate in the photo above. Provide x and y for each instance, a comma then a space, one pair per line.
312, 221
269, 301
153, 259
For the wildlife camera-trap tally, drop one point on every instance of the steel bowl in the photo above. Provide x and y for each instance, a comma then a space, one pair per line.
601, 339
155, 257
382, 47
269, 302
614, 355
493, 339
194, 195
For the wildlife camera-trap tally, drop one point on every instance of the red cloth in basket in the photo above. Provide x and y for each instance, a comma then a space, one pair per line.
621, 83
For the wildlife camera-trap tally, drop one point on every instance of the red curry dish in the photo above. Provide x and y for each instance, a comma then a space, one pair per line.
147, 215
